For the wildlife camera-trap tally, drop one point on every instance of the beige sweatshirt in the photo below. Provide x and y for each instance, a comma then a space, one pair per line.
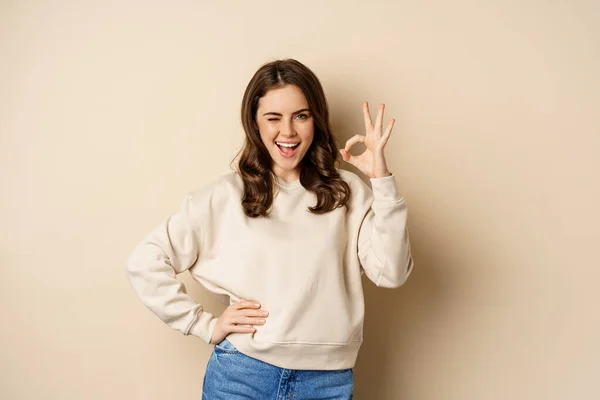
305, 269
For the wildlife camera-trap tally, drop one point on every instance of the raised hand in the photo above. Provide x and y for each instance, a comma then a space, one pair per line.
372, 161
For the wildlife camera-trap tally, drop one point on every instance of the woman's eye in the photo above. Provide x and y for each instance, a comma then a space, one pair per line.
273, 119
301, 116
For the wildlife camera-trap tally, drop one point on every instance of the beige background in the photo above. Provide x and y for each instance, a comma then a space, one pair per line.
111, 111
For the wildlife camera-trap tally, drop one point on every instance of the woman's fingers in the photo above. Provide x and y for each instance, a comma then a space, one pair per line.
369, 127
388, 131
353, 140
345, 155
245, 304
367, 117
379, 120
248, 320
243, 312
242, 329
349, 143
246, 312
254, 313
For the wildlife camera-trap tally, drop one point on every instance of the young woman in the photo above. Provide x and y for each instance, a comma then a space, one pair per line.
286, 237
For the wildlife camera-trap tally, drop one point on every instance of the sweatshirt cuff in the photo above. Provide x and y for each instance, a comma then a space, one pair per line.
204, 326
385, 189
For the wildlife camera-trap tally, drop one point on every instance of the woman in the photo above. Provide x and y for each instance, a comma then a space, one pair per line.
286, 237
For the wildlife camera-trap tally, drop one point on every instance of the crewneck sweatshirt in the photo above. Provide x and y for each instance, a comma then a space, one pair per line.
305, 269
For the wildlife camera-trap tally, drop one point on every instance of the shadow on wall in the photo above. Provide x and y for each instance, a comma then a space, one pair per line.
394, 322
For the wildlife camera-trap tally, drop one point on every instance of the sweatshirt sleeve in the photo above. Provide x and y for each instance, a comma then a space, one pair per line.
383, 240
170, 249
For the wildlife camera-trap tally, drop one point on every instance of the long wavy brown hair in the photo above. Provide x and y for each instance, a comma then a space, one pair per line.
318, 173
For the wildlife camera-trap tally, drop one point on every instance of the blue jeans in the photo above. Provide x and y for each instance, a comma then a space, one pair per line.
232, 375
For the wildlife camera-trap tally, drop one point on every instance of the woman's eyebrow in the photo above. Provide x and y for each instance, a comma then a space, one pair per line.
281, 115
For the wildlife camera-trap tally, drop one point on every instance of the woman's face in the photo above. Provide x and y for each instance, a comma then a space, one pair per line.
283, 119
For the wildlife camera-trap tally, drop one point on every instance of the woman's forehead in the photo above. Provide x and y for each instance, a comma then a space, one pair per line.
287, 99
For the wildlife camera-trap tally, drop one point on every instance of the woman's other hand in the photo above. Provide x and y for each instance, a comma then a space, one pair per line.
244, 312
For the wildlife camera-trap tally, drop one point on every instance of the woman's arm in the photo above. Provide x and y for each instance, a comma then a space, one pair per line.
170, 249
383, 241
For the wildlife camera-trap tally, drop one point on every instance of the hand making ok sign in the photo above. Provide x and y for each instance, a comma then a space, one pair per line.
372, 161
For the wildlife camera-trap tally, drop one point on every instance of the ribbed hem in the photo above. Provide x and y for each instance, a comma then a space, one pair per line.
297, 355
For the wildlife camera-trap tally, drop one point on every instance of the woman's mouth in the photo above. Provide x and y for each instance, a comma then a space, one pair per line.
287, 150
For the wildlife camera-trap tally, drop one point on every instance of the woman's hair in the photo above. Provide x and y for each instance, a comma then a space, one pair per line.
318, 173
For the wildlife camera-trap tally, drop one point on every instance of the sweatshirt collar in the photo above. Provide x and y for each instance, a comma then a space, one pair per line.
286, 185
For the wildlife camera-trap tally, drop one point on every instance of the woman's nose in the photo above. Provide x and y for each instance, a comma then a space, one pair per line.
287, 128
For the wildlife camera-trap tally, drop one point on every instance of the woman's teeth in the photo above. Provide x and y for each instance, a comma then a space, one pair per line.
287, 144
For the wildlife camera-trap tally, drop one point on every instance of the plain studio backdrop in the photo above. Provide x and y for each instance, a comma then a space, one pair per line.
110, 111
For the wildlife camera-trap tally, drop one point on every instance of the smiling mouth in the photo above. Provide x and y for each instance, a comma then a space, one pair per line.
287, 149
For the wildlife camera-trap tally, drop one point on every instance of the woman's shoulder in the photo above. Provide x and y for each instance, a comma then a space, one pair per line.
360, 191
348, 176
217, 189
353, 179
